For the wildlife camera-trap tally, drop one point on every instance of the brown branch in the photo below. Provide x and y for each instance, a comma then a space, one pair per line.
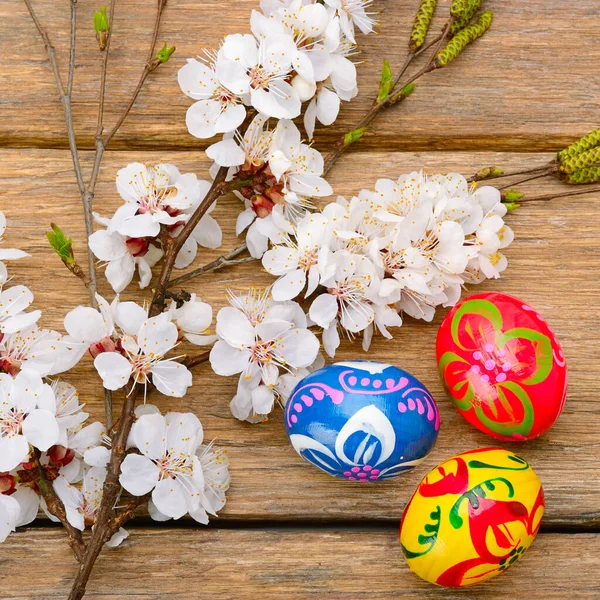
484, 177
72, 47
341, 144
531, 178
65, 98
196, 359
227, 260
110, 493
172, 246
412, 55
56, 508
126, 514
552, 196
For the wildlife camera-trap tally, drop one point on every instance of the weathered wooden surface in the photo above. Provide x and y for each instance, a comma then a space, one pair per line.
552, 264
277, 565
531, 83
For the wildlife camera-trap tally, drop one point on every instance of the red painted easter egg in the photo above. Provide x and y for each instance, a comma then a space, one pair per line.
502, 366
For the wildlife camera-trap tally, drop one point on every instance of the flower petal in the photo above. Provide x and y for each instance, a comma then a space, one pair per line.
41, 429
114, 369
171, 378
170, 498
139, 475
226, 360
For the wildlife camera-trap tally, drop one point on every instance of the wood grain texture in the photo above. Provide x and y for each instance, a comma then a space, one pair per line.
282, 565
553, 264
530, 83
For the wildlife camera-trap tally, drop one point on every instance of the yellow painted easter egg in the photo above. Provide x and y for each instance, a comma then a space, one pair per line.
472, 517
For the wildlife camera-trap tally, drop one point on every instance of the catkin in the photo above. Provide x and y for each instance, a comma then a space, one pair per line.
421, 24
587, 142
472, 6
462, 39
581, 161
458, 7
589, 175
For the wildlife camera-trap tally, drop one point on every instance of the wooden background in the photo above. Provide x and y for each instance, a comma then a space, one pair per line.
529, 87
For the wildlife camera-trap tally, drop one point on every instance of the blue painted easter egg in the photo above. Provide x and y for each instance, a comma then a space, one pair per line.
362, 421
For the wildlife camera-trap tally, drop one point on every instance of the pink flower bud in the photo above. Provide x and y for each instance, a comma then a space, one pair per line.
262, 206
104, 345
8, 484
61, 455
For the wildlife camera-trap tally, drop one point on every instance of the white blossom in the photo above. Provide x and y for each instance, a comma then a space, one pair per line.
142, 359
218, 109
27, 416
193, 318
407, 246
126, 344
81, 505
170, 467
351, 13
13, 302
261, 340
122, 256
154, 195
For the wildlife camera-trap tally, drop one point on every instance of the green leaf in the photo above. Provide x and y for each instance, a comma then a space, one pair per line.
385, 83
354, 135
61, 244
163, 55
101, 20
510, 206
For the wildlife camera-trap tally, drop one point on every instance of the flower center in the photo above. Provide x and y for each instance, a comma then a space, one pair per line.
154, 198
172, 465
259, 77
308, 258
142, 365
10, 422
262, 352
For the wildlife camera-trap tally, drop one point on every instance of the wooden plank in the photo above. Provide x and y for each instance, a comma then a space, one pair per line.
531, 83
552, 264
277, 565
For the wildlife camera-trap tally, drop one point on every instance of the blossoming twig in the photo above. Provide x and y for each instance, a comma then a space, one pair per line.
226, 260
111, 489
218, 188
56, 508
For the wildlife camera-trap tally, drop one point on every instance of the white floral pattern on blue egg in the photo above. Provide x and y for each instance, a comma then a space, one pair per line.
362, 421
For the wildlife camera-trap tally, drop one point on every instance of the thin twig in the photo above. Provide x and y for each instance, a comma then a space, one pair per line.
148, 68
65, 99
341, 145
110, 493
72, 47
227, 260
56, 508
411, 56
552, 196
538, 176
477, 177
